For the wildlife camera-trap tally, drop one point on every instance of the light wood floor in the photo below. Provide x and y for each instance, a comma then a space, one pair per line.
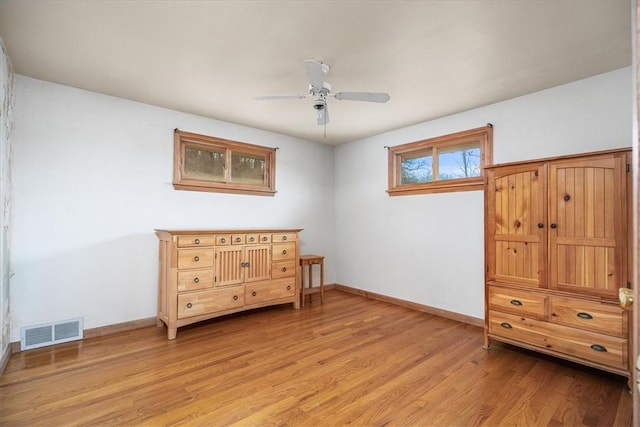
349, 361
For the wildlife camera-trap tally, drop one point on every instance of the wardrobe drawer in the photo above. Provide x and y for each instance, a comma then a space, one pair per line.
195, 258
194, 241
205, 302
589, 315
523, 303
191, 280
591, 346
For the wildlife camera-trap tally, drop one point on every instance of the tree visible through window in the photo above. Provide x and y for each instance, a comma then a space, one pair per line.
448, 163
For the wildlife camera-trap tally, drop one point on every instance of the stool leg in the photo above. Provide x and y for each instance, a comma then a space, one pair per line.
310, 280
322, 282
302, 285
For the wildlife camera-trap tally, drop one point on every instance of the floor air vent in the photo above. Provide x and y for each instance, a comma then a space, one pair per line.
51, 333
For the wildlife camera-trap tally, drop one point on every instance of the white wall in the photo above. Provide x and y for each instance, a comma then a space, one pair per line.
6, 125
429, 248
92, 179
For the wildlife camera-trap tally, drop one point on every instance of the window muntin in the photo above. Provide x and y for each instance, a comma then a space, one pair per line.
204, 163
452, 162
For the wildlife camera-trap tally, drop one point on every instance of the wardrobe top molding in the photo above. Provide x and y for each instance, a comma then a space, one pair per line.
568, 156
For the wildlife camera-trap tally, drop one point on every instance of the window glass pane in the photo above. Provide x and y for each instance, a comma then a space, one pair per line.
203, 164
459, 161
416, 168
248, 168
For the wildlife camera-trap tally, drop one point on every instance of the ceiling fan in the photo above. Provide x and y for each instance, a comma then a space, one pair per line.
319, 90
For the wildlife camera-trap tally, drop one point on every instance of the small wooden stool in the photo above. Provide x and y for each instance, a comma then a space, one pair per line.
310, 261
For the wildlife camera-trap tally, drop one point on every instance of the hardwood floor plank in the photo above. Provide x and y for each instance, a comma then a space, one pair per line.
350, 360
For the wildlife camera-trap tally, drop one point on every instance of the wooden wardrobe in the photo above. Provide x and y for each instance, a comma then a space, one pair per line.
557, 251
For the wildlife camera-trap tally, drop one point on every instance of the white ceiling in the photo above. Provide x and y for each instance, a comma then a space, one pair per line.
211, 58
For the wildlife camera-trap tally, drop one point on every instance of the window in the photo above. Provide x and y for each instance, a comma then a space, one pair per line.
447, 163
205, 163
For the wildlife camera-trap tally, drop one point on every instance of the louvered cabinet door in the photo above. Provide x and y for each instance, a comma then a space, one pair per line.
230, 268
258, 259
516, 225
587, 238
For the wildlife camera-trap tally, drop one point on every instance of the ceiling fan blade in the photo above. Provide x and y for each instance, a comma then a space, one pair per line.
362, 96
323, 116
269, 97
316, 71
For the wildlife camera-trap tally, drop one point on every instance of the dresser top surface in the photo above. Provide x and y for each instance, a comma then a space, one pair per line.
181, 232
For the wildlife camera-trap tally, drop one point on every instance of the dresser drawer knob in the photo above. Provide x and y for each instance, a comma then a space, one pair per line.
196, 259
223, 240
584, 315
284, 269
554, 225
264, 239
251, 239
235, 297
284, 237
254, 293
516, 302
197, 241
189, 305
284, 252
540, 225
238, 240
506, 325
289, 287
196, 280
598, 347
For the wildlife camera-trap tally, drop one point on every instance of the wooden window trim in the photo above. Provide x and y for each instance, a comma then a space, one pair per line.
183, 139
483, 134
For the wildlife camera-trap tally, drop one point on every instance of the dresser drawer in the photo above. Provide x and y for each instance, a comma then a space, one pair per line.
265, 238
251, 239
283, 237
238, 239
589, 315
523, 303
283, 269
223, 239
598, 348
195, 258
194, 241
284, 251
192, 280
205, 302
259, 292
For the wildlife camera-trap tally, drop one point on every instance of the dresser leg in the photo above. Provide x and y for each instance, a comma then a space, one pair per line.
486, 345
171, 333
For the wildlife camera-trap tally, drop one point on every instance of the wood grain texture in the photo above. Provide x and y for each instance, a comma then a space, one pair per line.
350, 360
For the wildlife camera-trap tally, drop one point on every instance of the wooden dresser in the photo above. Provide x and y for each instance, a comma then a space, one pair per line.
557, 250
210, 273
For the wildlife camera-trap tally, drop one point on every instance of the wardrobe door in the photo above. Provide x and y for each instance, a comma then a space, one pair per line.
587, 234
516, 225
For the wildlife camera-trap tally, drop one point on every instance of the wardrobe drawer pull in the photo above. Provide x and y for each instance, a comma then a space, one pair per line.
584, 315
598, 347
506, 325
516, 302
